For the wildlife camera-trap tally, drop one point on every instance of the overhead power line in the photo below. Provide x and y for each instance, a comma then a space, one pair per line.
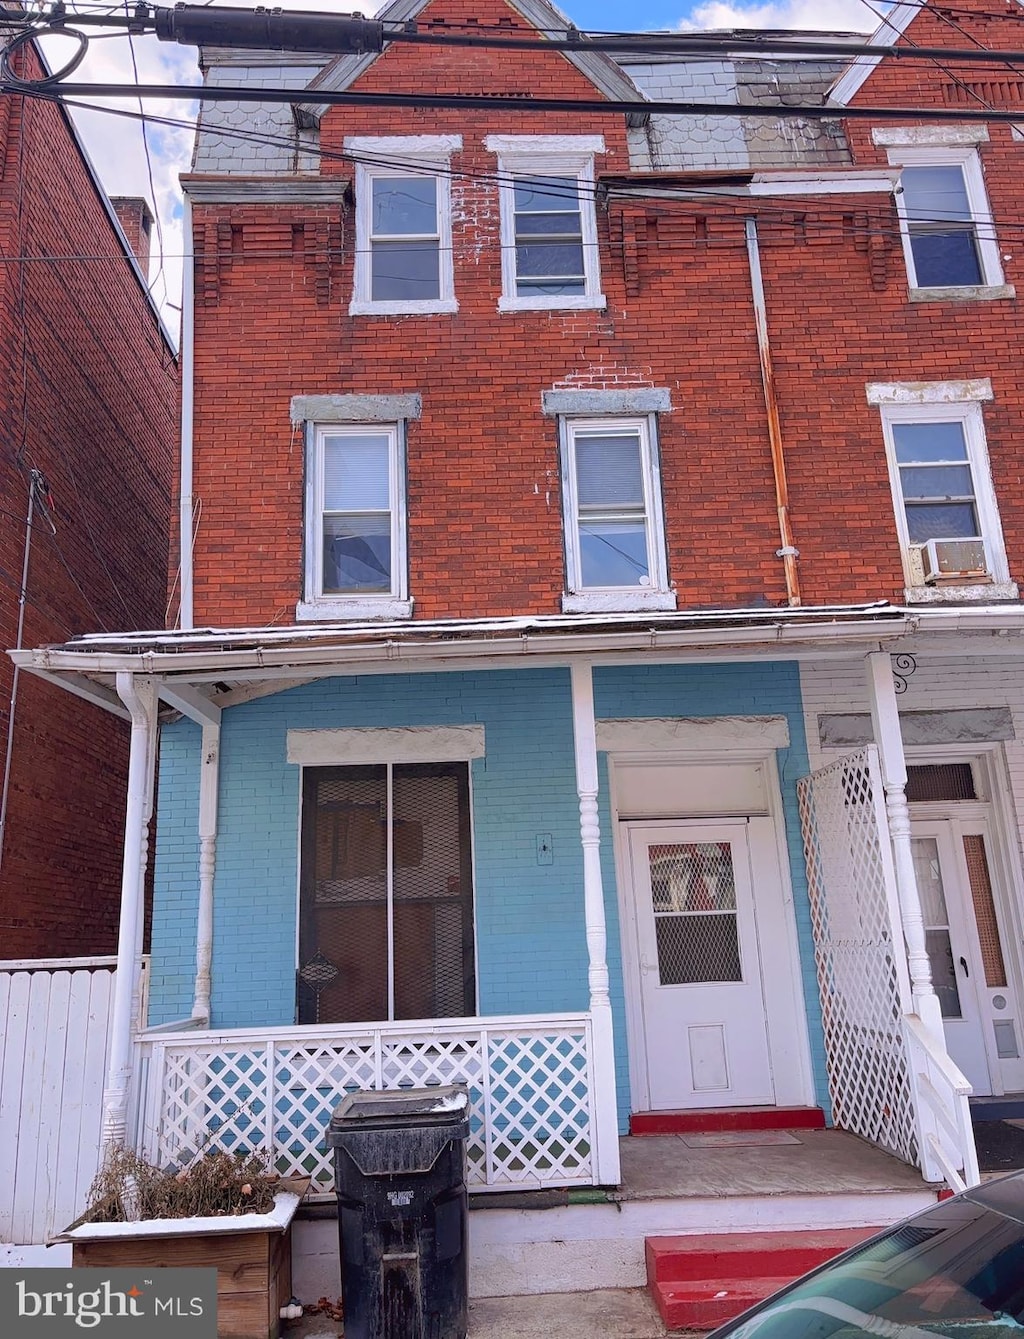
457, 102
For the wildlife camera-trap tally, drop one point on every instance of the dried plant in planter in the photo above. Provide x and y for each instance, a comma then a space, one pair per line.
213, 1184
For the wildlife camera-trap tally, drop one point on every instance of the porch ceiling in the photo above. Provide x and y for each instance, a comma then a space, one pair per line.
223, 666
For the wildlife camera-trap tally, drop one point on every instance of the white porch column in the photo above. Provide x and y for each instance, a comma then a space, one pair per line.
140, 697
605, 1114
885, 721
209, 779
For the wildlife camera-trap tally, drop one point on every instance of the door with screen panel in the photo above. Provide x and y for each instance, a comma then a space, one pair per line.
701, 1000
965, 948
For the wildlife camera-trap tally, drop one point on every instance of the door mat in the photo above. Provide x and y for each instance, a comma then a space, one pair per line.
1000, 1145
746, 1138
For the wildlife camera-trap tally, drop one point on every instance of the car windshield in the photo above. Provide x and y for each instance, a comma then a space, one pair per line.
958, 1271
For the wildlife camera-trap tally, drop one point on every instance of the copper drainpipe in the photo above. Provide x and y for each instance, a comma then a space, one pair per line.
788, 552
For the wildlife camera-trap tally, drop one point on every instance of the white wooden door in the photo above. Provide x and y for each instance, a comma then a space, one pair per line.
980, 1007
703, 1013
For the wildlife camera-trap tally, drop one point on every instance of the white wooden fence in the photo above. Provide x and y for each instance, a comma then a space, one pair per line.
54, 1028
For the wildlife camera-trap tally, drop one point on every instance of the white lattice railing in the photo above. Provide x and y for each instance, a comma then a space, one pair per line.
858, 950
942, 1093
530, 1082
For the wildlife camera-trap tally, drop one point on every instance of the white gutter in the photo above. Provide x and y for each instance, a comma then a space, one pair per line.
187, 364
527, 645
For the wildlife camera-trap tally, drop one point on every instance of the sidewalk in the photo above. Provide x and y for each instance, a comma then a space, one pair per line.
615, 1313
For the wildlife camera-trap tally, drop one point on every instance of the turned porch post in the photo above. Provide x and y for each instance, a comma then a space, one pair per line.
209, 780
885, 720
605, 1115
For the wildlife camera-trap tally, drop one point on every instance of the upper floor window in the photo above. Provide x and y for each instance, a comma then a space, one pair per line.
355, 522
549, 252
946, 224
946, 510
403, 224
614, 530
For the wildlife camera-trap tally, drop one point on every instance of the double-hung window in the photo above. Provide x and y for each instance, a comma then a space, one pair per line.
355, 522
549, 249
946, 224
614, 531
946, 511
403, 224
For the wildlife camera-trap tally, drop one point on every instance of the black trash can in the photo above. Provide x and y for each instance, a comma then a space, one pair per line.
400, 1174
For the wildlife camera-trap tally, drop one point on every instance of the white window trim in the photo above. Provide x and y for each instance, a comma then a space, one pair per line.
965, 157
580, 599
393, 604
402, 155
895, 409
548, 156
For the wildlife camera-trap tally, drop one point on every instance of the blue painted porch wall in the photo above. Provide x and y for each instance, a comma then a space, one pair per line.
529, 917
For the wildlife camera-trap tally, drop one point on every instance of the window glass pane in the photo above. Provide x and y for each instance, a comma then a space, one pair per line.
356, 472
941, 520
945, 481
694, 899
433, 919
404, 205
547, 225
942, 258
918, 443
940, 956
613, 553
357, 554
405, 271
935, 194
929, 880
608, 471
550, 267
547, 195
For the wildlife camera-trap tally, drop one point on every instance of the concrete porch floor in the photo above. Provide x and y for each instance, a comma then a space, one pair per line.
784, 1162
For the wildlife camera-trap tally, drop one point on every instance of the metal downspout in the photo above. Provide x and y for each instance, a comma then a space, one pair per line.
788, 551
186, 503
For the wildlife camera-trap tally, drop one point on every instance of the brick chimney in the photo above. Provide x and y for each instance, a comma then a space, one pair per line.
136, 219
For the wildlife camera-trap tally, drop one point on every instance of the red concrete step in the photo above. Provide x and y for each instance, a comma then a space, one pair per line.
701, 1281
727, 1118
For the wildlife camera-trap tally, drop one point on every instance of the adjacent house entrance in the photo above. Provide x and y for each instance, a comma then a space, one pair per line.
970, 971
701, 998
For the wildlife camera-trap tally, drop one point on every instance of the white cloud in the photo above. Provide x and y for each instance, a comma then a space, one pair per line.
822, 15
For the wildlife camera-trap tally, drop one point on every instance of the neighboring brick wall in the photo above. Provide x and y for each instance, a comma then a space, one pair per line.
89, 393
485, 525
530, 929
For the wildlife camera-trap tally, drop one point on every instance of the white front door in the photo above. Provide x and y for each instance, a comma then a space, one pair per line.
702, 1007
980, 1015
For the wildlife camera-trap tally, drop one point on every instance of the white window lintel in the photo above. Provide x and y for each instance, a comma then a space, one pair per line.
939, 137
404, 146
415, 743
544, 145
929, 392
671, 733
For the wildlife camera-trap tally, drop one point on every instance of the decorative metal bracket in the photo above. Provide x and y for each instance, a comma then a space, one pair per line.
903, 666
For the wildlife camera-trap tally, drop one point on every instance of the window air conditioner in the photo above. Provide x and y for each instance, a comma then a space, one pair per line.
945, 559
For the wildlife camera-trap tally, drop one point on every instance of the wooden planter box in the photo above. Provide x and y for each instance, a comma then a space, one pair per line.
252, 1254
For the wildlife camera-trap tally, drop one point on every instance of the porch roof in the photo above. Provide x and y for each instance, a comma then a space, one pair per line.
223, 663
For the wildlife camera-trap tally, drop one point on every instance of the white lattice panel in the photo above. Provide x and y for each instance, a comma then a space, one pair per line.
530, 1086
858, 952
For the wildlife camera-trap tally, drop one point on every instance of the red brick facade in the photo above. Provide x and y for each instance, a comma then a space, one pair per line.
485, 522
90, 392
